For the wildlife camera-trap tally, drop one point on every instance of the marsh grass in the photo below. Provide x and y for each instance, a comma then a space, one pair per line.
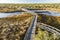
50, 20
17, 7
45, 35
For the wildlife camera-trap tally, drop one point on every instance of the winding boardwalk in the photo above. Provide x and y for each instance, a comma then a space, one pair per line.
44, 26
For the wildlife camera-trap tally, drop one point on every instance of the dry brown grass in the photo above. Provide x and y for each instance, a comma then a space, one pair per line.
14, 27
50, 20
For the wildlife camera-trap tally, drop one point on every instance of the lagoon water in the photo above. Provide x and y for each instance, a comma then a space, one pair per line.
2, 15
49, 13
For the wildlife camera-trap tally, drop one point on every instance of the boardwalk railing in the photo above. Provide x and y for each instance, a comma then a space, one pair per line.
48, 28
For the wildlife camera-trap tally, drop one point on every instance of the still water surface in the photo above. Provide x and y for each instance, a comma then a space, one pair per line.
51, 13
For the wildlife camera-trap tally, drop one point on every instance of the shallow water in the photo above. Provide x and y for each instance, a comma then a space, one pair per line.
2, 15
49, 13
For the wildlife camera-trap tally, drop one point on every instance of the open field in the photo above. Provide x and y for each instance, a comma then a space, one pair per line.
17, 7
